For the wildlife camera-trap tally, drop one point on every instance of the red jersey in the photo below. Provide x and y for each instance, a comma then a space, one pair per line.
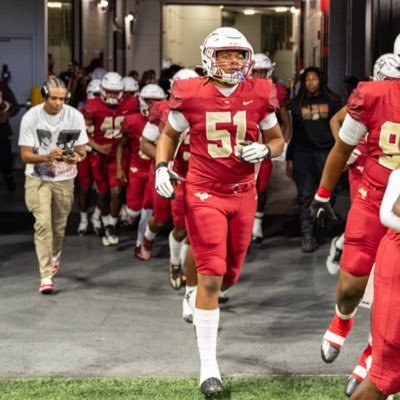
218, 123
281, 94
133, 126
108, 120
377, 106
158, 113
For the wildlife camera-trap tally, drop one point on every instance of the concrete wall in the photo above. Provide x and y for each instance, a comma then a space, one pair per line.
250, 26
23, 47
312, 42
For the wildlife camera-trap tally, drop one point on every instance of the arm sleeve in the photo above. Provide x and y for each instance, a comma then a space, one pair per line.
268, 122
352, 131
388, 218
151, 132
178, 121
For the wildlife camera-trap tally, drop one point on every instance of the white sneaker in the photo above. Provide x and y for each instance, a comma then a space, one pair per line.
82, 228
188, 304
123, 216
110, 237
97, 225
333, 259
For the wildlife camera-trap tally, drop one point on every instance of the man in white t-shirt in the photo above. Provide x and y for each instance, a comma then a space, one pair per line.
50, 172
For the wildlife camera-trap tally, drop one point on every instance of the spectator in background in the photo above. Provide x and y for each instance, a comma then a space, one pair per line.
311, 110
166, 76
135, 75
75, 82
50, 65
8, 108
148, 76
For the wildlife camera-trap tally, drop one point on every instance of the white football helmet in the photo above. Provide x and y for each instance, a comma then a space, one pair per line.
396, 47
93, 88
112, 82
131, 85
226, 39
263, 62
98, 73
387, 66
184, 73
147, 94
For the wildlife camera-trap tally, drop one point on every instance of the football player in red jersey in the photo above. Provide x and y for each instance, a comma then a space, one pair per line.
139, 190
224, 112
106, 114
384, 374
373, 107
85, 175
264, 68
155, 106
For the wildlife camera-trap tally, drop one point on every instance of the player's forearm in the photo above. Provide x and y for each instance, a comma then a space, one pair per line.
286, 125
148, 148
165, 150
334, 166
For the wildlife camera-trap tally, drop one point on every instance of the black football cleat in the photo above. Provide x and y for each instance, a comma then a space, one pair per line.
211, 387
329, 352
351, 385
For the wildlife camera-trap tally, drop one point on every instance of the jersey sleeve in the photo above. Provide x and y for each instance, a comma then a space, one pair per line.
357, 105
281, 94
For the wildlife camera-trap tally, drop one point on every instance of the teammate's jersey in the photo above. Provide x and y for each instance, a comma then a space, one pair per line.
158, 113
108, 120
377, 106
132, 127
281, 94
219, 123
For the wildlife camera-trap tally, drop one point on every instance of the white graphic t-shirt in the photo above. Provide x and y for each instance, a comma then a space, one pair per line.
41, 130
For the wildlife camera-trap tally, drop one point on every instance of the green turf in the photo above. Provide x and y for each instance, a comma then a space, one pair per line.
317, 388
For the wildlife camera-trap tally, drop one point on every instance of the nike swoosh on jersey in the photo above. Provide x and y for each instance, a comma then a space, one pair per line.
245, 103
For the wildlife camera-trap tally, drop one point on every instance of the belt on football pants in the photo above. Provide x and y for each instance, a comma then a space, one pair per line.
231, 187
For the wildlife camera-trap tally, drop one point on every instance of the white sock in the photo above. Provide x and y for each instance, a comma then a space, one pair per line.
344, 316
189, 288
183, 255
175, 249
149, 234
132, 213
145, 215
113, 221
105, 219
257, 225
84, 217
96, 212
340, 242
206, 322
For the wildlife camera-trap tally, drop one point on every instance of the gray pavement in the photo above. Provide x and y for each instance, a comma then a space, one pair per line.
113, 315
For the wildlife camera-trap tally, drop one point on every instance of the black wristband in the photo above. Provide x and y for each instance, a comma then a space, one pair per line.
160, 164
269, 152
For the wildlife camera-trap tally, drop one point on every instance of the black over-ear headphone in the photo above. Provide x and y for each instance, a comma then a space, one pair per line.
54, 82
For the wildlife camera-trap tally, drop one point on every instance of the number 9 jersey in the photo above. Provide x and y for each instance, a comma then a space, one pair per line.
377, 106
218, 124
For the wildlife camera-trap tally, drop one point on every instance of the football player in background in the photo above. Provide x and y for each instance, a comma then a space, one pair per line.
106, 114
264, 68
85, 175
224, 112
373, 108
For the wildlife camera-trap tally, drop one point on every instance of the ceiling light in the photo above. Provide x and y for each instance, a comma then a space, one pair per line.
280, 9
130, 17
293, 10
102, 4
221, 7
249, 11
54, 4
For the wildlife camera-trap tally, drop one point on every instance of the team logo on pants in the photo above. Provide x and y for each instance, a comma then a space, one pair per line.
203, 196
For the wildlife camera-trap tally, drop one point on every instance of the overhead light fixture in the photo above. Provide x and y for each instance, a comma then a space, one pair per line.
281, 9
249, 11
54, 4
293, 10
221, 7
130, 17
102, 5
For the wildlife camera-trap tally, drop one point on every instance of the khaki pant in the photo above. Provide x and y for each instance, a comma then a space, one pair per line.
50, 203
